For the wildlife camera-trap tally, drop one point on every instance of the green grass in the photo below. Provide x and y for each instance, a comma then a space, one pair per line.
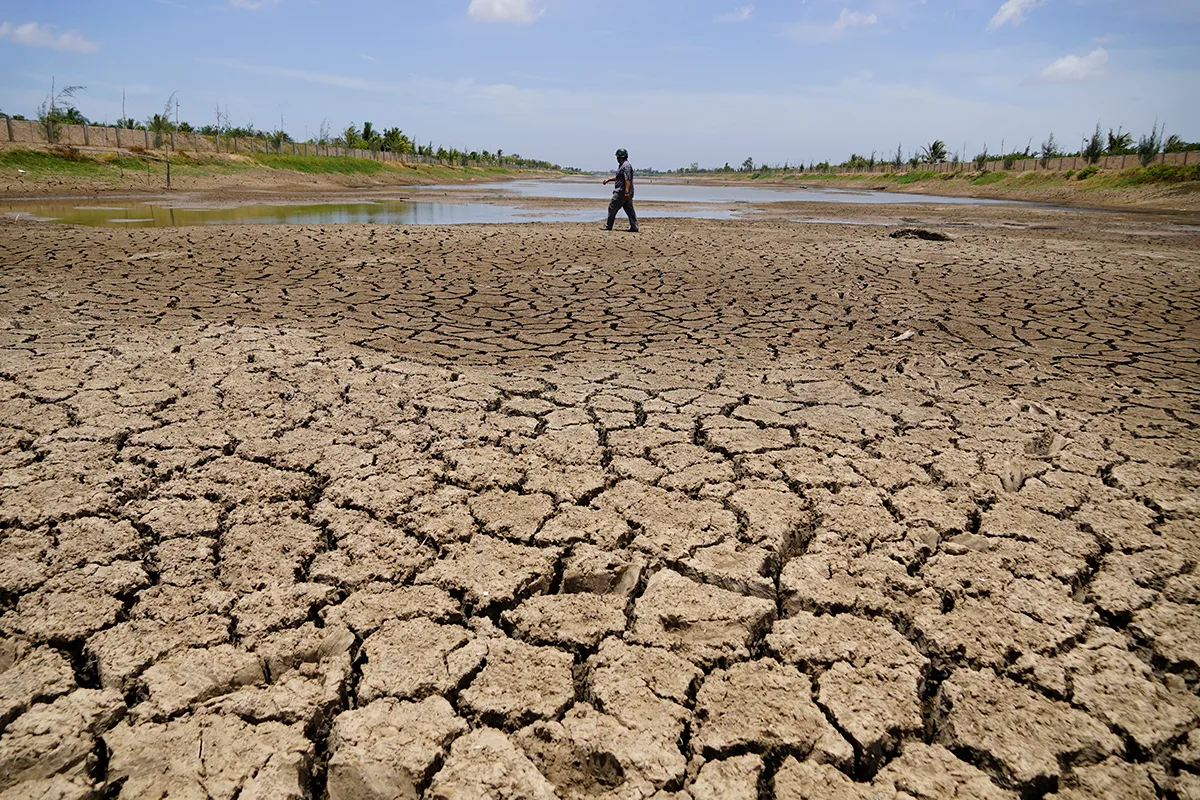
1037, 178
989, 177
109, 167
321, 165
1157, 173
915, 175
336, 165
39, 165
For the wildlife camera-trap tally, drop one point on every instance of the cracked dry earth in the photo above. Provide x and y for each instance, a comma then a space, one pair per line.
727, 510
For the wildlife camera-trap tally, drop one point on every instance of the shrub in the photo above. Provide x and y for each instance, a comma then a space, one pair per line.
67, 152
1165, 173
1174, 144
1086, 173
1149, 145
1049, 150
1070, 172
1094, 147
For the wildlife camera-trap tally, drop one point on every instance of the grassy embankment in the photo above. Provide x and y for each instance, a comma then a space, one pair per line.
1089, 178
66, 163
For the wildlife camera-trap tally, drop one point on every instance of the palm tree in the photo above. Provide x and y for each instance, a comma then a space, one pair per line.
394, 141
351, 137
371, 137
934, 152
1119, 144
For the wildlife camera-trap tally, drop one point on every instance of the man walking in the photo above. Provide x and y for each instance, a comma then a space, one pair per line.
622, 192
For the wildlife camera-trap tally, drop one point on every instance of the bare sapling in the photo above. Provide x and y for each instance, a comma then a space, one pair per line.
58, 109
1049, 150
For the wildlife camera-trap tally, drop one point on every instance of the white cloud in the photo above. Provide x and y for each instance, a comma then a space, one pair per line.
34, 34
1072, 68
1012, 12
737, 15
519, 11
816, 33
321, 78
851, 19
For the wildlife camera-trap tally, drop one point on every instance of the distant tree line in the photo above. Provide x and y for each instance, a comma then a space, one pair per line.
1092, 148
59, 109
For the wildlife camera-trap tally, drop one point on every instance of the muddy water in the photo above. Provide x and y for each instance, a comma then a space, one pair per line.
667, 192
145, 215
142, 214
698, 202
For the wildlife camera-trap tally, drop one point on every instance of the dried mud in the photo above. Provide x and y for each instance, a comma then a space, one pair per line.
724, 510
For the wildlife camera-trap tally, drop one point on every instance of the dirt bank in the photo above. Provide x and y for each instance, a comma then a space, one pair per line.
724, 509
30, 172
1103, 192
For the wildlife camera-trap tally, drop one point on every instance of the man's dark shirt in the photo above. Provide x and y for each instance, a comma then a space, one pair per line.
624, 177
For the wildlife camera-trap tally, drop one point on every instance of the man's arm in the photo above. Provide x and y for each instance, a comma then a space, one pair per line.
628, 183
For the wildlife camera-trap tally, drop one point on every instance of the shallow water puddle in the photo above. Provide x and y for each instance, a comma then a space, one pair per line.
694, 201
146, 215
667, 192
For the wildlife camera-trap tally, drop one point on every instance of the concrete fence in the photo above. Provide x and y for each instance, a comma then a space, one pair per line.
32, 132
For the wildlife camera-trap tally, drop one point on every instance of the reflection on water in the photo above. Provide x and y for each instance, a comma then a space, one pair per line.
696, 201
144, 215
667, 192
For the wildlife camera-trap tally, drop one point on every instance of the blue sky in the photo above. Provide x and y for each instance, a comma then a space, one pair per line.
674, 81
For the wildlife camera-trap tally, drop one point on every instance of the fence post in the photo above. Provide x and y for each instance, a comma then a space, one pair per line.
8, 124
146, 137
85, 134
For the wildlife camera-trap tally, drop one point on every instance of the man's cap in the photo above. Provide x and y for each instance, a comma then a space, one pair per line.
622, 153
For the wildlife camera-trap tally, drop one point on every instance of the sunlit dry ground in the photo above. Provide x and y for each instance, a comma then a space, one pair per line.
722, 510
